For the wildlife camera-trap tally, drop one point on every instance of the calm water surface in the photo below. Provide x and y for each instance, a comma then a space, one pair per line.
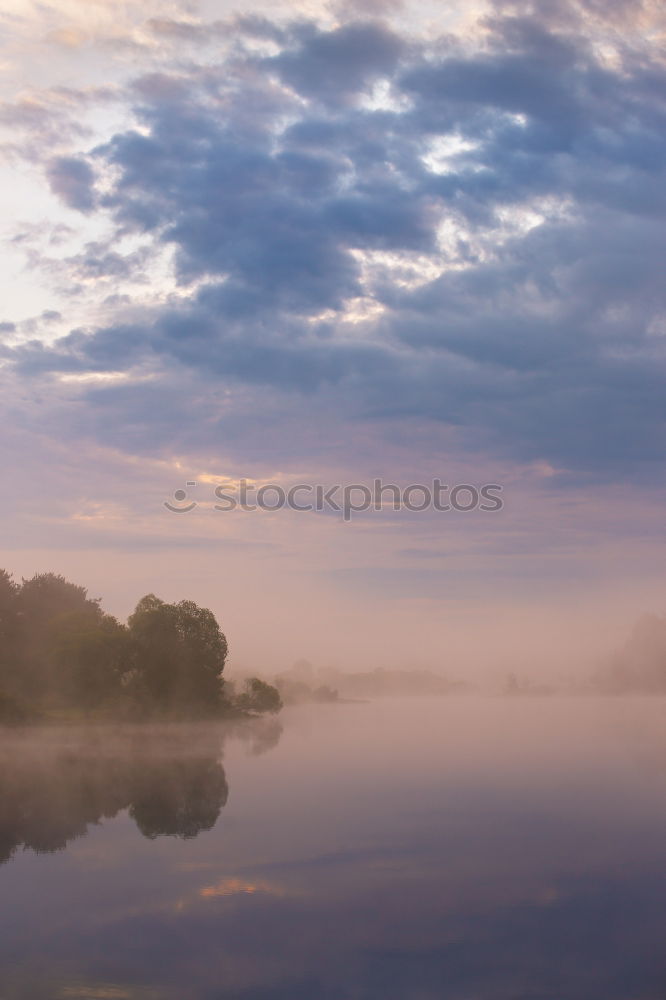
464, 849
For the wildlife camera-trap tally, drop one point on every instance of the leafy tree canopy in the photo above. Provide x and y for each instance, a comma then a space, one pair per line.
60, 652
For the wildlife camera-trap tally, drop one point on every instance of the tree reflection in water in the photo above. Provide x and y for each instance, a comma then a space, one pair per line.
55, 784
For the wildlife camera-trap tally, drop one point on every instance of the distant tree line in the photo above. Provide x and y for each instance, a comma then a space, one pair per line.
60, 652
304, 682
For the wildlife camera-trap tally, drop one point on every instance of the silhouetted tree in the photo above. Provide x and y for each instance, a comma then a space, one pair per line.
44, 602
8, 618
59, 652
180, 655
258, 696
94, 655
10, 710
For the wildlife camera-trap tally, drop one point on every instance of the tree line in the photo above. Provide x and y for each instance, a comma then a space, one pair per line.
61, 653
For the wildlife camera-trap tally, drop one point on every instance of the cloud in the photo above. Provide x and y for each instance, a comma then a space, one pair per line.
334, 66
72, 179
70, 38
517, 178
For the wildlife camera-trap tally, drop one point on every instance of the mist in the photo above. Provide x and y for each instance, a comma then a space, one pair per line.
332, 618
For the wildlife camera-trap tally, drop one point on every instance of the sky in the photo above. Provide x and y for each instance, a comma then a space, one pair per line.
328, 243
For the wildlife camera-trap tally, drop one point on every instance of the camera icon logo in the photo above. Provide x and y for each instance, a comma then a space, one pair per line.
181, 506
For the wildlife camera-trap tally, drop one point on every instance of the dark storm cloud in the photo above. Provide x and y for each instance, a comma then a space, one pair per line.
543, 337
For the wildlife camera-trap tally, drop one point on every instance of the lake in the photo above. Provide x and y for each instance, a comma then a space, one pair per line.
461, 848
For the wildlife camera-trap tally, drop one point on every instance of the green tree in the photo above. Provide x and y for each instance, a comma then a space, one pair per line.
12, 711
93, 655
180, 656
258, 696
9, 628
46, 595
43, 603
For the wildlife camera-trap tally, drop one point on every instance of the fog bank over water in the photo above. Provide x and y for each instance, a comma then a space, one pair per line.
566, 637
636, 666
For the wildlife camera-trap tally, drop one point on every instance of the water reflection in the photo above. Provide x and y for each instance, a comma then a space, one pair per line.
470, 848
55, 785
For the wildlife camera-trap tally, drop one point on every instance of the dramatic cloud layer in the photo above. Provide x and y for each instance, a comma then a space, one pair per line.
469, 231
